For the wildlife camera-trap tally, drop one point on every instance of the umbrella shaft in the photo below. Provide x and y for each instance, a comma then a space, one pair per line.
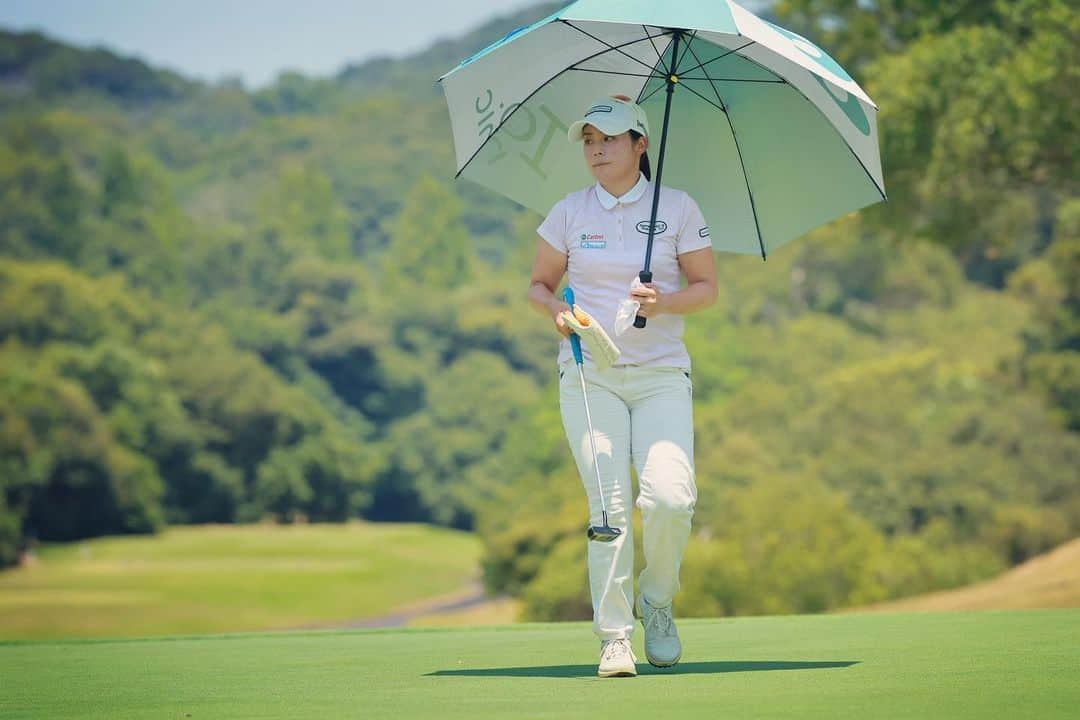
663, 146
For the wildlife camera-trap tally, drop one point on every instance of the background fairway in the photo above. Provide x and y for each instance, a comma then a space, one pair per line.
232, 578
1014, 664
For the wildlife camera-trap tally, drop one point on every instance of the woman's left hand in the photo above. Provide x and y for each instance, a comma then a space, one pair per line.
651, 299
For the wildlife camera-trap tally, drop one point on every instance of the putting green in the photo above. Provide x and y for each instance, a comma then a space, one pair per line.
1017, 664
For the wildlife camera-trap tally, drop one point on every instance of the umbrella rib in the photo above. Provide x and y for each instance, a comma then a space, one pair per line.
690, 47
689, 40
660, 60
721, 57
659, 57
735, 138
616, 48
743, 80
613, 72
720, 107
655, 90
746, 179
854, 154
541, 87
815, 106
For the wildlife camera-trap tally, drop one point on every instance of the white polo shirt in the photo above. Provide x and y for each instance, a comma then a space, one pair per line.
604, 239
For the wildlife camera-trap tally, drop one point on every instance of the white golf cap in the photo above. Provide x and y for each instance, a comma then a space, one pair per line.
611, 116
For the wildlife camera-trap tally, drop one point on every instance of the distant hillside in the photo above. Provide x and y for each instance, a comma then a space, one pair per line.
34, 65
1051, 580
31, 63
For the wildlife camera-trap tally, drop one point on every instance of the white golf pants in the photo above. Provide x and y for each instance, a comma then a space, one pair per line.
643, 414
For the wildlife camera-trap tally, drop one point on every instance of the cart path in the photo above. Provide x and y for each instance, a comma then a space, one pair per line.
471, 596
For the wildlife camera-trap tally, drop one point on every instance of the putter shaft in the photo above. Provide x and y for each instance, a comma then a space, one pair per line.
592, 441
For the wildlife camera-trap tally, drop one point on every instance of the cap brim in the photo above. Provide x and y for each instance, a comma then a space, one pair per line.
576, 131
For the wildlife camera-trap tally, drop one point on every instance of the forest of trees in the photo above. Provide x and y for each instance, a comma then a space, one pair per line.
227, 305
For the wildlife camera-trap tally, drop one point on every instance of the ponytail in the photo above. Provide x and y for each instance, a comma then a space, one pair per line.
644, 164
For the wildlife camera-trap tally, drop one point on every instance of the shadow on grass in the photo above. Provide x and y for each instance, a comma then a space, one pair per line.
687, 668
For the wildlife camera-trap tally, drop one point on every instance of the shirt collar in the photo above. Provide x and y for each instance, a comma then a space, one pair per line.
608, 201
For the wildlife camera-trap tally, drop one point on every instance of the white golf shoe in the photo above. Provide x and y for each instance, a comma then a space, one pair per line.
662, 646
617, 659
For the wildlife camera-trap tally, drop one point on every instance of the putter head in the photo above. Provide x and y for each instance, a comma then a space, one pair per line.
603, 533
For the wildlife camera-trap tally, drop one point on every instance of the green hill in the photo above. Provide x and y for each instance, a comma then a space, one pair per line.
1051, 580
232, 578
886, 667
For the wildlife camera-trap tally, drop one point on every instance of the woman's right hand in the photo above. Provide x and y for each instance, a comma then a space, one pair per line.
560, 323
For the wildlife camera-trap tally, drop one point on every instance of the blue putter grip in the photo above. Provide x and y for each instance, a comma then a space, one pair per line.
575, 341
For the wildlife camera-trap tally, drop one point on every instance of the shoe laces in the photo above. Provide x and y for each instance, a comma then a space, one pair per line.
659, 622
615, 648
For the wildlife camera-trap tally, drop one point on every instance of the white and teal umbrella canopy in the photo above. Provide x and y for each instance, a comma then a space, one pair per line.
767, 132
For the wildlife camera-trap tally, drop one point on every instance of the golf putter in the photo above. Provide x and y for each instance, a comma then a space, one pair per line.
602, 532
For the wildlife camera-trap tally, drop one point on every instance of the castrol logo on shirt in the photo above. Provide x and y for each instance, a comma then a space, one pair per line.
593, 241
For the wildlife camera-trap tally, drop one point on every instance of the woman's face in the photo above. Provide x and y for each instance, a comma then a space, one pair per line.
612, 158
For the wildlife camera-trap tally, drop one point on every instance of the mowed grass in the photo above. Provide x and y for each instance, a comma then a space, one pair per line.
203, 579
980, 665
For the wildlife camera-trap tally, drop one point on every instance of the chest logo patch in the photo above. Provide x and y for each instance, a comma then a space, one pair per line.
593, 241
643, 227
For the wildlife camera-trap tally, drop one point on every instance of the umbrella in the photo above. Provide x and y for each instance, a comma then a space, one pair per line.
760, 126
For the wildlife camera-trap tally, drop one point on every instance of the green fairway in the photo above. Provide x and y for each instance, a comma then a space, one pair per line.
199, 579
1016, 664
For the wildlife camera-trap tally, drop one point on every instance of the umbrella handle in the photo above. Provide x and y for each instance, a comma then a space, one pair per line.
644, 276
575, 341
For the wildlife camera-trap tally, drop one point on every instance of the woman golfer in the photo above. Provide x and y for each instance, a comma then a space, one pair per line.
642, 406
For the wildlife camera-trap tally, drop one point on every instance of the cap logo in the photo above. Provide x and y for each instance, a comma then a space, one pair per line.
599, 109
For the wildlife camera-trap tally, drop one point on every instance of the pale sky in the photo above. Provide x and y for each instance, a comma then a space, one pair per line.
254, 39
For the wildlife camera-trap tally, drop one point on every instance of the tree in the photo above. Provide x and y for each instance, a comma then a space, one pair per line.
40, 200
65, 475
119, 187
303, 210
430, 247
